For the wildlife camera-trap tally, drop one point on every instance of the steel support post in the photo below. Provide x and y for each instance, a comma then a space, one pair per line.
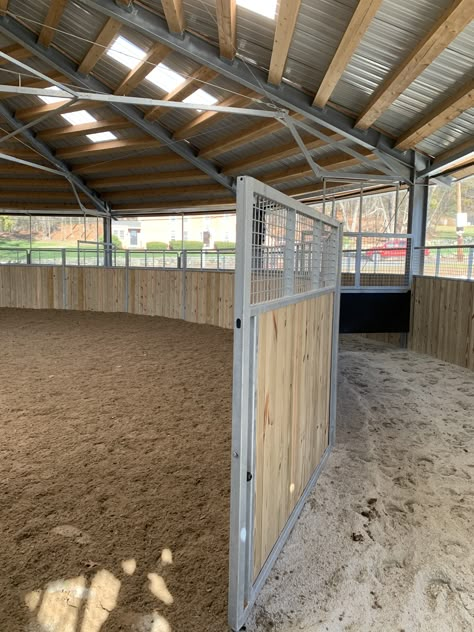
417, 214
107, 242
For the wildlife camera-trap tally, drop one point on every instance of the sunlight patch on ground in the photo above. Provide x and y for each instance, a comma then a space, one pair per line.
158, 588
70, 605
166, 557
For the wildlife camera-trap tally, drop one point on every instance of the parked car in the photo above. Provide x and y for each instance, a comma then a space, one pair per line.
392, 248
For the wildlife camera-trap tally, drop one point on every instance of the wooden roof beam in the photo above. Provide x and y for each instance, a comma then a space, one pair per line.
276, 153
254, 132
174, 15
27, 205
355, 31
334, 161
23, 153
70, 131
148, 178
447, 27
28, 114
191, 203
284, 31
16, 51
40, 182
211, 189
128, 144
55, 12
436, 118
184, 90
123, 164
21, 194
155, 55
208, 118
227, 27
103, 41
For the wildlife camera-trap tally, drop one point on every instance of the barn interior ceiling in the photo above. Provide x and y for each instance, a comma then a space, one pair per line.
126, 107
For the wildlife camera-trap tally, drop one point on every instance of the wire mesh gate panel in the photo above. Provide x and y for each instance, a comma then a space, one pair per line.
285, 351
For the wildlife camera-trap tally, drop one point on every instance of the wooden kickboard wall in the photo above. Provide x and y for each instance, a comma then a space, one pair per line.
442, 319
195, 296
293, 370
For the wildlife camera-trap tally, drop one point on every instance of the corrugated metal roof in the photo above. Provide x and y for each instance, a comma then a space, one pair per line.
397, 28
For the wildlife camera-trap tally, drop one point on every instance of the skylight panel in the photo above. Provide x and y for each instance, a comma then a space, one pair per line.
126, 53
101, 136
79, 118
200, 97
266, 8
165, 78
50, 99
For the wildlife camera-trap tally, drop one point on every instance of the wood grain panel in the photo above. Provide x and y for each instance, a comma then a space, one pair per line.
208, 296
292, 423
442, 319
31, 287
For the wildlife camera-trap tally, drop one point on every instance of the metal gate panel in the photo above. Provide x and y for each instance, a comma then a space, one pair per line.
285, 352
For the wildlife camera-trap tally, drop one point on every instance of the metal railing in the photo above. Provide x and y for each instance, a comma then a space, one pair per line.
370, 261
160, 259
454, 262
375, 261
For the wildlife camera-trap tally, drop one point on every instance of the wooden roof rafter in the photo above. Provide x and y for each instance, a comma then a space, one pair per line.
280, 152
154, 56
360, 21
71, 131
439, 116
174, 15
55, 12
448, 26
226, 12
15, 50
154, 131
205, 119
102, 42
191, 84
285, 27
106, 147
147, 178
123, 164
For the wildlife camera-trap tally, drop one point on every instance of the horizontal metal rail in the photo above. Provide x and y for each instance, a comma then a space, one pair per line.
206, 259
370, 261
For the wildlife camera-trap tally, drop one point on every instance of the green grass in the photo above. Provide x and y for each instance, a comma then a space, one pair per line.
449, 232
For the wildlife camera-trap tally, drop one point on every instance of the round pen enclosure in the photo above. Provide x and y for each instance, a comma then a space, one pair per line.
149, 438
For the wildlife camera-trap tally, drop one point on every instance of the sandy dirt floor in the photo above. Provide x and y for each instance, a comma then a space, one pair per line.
114, 486
114, 473
386, 542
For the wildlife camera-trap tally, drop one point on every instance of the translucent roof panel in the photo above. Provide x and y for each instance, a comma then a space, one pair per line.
165, 78
101, 136
200, 97
50, 99
125, 52
267, 8
79, 118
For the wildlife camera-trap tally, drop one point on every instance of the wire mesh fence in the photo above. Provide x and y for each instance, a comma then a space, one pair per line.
455, 262
376, 260
161, 259
307, 248
292, 252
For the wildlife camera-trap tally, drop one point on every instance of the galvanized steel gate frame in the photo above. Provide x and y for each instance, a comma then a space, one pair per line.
243, 591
